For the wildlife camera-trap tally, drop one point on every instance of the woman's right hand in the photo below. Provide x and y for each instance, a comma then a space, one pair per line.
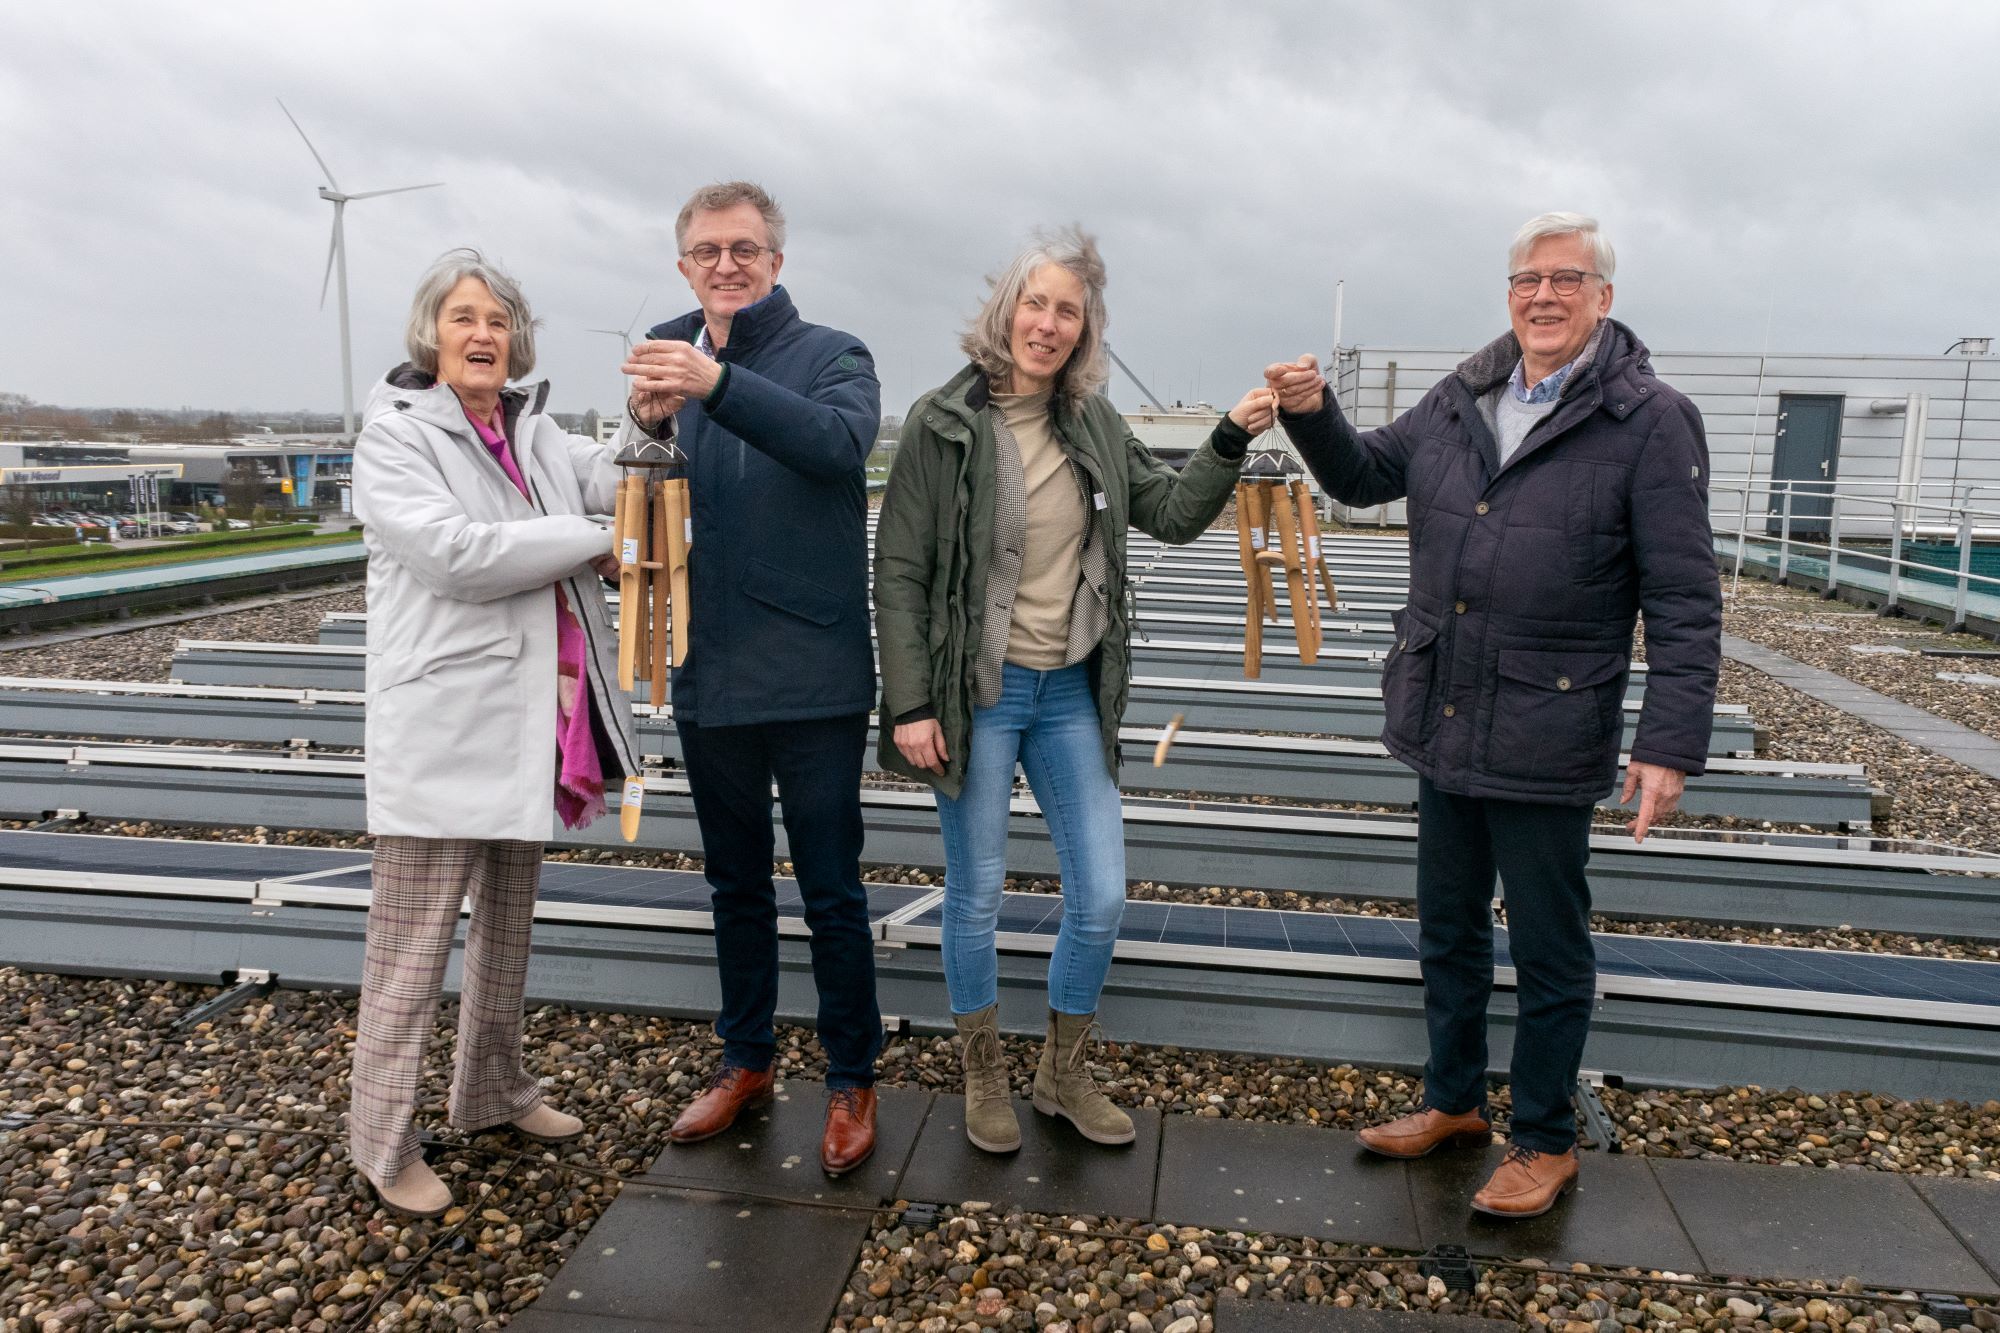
922, 743
1258, 411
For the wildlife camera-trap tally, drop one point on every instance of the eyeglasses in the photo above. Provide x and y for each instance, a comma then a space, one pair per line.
745, 253
1563, 282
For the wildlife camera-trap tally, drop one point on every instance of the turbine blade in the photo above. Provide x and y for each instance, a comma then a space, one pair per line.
635, 316
332, 245
309, 143
400, 189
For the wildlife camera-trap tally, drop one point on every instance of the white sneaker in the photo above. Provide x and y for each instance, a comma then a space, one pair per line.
545, 1124
417, 1191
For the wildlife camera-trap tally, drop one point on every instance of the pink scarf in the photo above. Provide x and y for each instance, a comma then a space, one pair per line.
580, 774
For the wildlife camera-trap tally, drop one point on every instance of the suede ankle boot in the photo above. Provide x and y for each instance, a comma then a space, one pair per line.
989, 1103
416, 1192
1064, 1087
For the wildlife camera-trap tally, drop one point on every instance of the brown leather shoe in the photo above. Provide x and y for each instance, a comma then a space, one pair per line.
850, 1130
731, 1091
1527, 1183
1425, 1131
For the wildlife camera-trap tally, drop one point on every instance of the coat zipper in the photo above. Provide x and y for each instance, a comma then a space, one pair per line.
600, 687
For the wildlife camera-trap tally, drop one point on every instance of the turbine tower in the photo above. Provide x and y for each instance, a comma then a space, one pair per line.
336, 257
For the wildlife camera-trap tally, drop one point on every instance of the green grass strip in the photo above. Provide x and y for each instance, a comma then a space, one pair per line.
154, 557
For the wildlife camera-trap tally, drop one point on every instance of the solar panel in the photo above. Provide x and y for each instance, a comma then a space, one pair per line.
1648, 965
1772, 968
161, 858
569, 882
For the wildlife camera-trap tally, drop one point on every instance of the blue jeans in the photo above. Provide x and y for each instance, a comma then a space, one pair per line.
1047, 721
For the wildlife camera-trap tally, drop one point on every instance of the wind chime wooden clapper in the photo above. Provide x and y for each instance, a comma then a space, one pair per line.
1276, 530
651, 529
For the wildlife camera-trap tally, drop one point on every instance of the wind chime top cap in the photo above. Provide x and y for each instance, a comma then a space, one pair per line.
650, 453
1270, 463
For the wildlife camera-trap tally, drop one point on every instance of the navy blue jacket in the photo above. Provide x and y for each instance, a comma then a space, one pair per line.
1508, 675
778, 572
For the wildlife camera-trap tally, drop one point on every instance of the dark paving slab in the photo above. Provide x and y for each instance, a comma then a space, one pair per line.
775, 1151
1233, 1314
1962, 744
1796, 1222
1289, 1179
688, 1259
539, 1319
1617, 1214
1056, 1170
1972, 1209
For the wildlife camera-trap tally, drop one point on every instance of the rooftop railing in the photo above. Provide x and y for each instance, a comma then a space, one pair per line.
1818, 529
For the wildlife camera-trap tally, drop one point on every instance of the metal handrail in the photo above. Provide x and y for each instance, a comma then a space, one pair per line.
1902, 512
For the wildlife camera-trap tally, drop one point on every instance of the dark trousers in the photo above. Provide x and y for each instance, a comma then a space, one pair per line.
1539, 852
817, 766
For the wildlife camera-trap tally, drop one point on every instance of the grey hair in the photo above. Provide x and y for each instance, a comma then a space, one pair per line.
420, 337
1563, 224
728, 194
988, 339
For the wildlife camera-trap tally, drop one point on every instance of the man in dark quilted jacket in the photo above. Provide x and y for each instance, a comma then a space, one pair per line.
1556, 489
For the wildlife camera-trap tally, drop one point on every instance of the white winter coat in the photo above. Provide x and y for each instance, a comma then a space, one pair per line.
461, 720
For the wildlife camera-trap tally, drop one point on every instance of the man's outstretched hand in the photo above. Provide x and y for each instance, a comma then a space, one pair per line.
1297, 383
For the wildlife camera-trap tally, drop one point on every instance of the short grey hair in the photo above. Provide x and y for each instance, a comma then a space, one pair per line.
988, 339
728, 194
420, 338
1563, 224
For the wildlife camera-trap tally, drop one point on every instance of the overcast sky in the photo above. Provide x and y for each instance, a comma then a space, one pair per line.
162, 244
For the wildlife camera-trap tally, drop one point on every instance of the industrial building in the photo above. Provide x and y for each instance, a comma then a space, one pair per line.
299, 471
1924, 430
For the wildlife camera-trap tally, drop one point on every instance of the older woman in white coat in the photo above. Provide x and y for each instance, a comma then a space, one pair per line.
493, 707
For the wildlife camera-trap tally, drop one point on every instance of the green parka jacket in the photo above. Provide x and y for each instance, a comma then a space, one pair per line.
934, 543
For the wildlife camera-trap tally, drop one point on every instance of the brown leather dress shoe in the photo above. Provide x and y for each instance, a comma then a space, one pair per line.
1527, 1183
1425, 1131
731, 1091
850, 1130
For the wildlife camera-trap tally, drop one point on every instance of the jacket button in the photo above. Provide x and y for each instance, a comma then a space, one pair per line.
1450, 710
1481, 507
1562, 682
1458, 607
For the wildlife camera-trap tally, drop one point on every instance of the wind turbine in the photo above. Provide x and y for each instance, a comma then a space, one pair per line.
624, 335
336, 257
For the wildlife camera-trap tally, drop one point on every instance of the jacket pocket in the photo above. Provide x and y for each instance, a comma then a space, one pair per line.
1558, 715
389, 669
1406, 679
785, 591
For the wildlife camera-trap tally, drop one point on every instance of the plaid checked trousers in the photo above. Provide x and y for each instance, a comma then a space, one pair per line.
419, 886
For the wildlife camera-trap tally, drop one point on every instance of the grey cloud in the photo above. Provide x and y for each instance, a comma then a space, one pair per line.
1830, 165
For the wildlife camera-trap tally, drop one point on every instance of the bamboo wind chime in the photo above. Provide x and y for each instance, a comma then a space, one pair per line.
652, 530
1276, 530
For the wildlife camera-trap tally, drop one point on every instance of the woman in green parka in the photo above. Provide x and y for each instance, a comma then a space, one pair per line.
1001, 614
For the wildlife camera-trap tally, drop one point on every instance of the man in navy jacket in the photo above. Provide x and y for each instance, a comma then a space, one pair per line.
777, 418
1556, 489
